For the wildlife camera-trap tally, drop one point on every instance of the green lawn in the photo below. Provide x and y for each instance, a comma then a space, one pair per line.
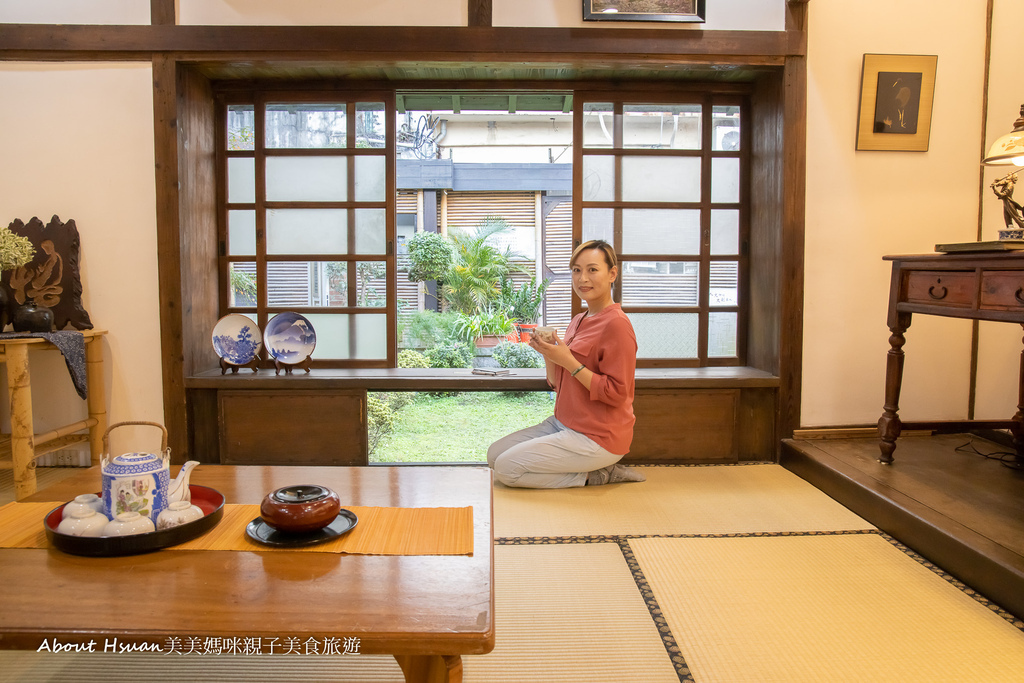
459, 428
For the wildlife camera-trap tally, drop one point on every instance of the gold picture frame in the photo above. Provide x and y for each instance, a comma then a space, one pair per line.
896, 93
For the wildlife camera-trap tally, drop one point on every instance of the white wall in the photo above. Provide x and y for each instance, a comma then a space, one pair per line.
74, 11
324, 12
78, 142
1000, 344
721, 15
862, 205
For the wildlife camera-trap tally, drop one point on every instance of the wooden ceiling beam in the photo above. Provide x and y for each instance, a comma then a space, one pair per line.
446, 44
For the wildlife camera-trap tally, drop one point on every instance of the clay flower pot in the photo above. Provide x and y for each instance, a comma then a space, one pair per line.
300, 509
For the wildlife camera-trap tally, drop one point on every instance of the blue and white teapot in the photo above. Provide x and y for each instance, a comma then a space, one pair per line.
141, 482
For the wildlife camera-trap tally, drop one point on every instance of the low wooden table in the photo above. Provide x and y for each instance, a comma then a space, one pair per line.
427, 611
977, 286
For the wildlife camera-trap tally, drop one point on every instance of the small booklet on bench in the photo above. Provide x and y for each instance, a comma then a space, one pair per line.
491, 371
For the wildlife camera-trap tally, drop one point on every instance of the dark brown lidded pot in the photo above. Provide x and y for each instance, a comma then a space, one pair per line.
301, 508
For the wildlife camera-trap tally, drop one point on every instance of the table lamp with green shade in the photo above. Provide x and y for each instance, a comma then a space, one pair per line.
1008, 150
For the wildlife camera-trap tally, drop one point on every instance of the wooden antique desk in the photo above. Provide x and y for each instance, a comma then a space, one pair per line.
427, 611
23, 444
978, 286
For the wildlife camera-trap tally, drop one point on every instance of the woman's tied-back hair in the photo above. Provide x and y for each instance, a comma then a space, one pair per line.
607, 249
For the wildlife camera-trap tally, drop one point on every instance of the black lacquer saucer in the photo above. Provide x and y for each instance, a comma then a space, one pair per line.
263, 533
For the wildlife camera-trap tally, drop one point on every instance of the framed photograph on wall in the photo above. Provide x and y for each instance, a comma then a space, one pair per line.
643, 10
896, 102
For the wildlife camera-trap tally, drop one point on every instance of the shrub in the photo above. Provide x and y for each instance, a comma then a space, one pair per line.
513, 355
494, 323
427, 328
451, 354
430, 257
412, 359
380, 420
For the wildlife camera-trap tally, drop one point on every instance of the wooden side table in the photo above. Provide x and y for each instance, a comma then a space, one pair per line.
978, 286
23, 444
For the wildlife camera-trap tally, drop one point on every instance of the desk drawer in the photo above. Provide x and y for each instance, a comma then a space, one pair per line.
942, 287
1002, 290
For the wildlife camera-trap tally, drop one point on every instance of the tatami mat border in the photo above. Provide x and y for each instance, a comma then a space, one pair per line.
623, 540
675, 655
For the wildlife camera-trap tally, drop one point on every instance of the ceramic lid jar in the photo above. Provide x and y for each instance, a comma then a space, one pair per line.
299, 509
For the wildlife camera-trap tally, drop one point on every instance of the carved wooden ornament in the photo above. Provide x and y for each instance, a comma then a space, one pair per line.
52, 277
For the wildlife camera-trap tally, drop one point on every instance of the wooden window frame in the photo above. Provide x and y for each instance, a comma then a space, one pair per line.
707, 98
259, 98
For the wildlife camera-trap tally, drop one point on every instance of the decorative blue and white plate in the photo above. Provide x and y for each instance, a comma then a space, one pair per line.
236, 339
289, 338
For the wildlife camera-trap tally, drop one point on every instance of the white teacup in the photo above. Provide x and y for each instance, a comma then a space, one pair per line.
546, 334
128, 523
178, 513
83, 522
86, 501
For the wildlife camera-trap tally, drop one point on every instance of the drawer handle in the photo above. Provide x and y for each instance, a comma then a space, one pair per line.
939, 293
1018, 297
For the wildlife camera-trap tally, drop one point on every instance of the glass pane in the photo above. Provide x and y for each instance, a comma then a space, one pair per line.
305, 126
242, 288
726, 128
650, 283
598, 179
370, 124
307, 179
598, 124
241, 233
370, 179
725, 180
660, 179
598, 224
666, 335
241, 126
350, 337
660, 231
290, 283
371, 284
371, 231
724, 283
725, 231
661, 126
307, 231
241, 181
722, 335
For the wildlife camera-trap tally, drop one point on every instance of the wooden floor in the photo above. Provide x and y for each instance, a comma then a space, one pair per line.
962, 511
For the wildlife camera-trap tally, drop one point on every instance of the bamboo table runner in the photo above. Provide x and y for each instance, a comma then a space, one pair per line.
380, 531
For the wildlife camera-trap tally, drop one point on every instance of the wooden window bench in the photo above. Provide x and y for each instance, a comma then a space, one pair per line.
685, 415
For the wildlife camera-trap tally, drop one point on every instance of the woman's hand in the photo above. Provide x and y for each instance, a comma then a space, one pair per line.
557, 353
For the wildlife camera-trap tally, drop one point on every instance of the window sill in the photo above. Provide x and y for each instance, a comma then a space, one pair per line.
417, 379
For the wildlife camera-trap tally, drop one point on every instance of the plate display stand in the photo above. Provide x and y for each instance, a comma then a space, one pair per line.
279, 365
254, 364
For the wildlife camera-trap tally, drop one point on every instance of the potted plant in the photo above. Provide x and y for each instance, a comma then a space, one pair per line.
524, 304
15, 251
485, 329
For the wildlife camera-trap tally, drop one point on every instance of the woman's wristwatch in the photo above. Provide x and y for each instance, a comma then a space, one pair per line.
577, 370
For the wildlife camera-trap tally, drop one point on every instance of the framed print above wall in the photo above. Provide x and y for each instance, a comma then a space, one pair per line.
643, 10
896, 102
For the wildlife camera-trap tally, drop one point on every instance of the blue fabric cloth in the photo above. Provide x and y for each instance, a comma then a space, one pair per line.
72, 345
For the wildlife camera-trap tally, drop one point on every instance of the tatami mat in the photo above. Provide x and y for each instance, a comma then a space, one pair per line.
569, 613
564, 613
796, 609
675, 500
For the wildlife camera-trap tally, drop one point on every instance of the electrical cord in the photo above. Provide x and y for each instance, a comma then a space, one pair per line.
1008, 458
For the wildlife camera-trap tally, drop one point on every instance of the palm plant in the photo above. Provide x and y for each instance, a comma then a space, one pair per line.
474, 281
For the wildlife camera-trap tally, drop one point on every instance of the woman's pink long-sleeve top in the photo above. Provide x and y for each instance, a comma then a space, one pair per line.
606, 344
